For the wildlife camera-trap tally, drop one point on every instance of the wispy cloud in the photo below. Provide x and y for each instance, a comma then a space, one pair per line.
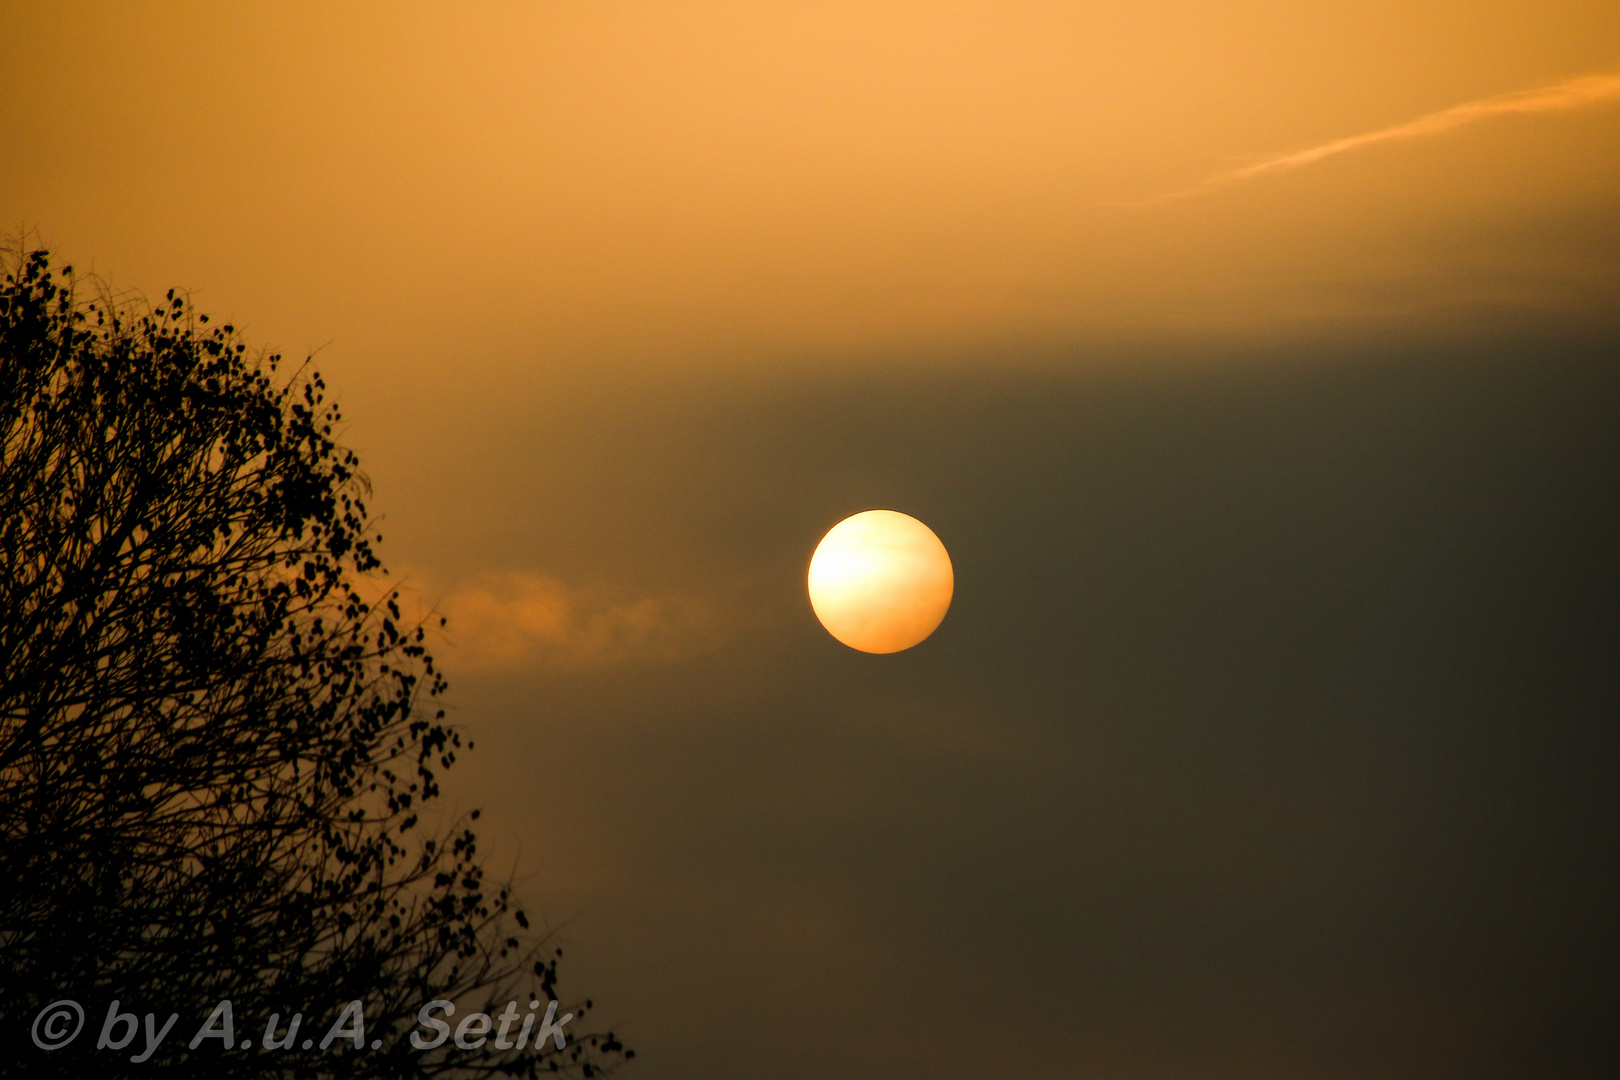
519, 620
1559, 97
526, 620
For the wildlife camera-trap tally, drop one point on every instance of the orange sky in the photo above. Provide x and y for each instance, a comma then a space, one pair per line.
497, 188
626, 304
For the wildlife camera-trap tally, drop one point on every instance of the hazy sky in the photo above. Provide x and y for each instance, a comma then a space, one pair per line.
1258, 363
705, 183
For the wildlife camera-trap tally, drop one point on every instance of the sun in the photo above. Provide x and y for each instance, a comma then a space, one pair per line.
880, 581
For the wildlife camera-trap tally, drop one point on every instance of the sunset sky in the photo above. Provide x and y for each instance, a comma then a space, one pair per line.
1257, 363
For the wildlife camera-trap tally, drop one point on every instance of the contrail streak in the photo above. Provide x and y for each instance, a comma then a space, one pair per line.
1559, 97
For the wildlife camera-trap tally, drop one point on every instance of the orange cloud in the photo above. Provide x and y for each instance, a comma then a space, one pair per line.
508, 621
1559, 97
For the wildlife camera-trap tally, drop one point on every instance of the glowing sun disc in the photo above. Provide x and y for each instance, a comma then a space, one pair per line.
880, 581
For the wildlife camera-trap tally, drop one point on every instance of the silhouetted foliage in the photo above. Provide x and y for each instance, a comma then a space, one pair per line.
213, 748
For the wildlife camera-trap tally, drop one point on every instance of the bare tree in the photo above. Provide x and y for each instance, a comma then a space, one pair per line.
213, 749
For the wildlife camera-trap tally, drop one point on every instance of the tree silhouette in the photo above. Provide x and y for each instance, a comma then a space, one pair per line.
213, 749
